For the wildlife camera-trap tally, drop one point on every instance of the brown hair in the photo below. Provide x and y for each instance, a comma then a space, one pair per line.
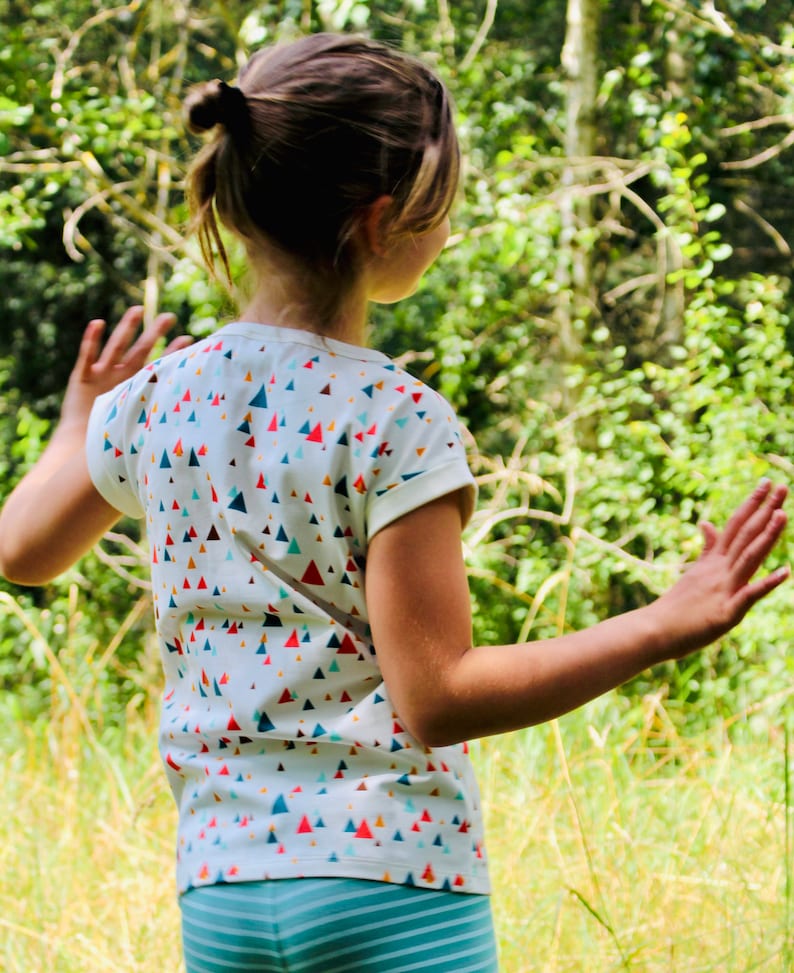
317, 130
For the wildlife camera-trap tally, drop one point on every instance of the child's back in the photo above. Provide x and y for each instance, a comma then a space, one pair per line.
262, 460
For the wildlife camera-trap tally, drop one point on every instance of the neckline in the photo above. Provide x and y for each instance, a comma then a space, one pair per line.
275, 333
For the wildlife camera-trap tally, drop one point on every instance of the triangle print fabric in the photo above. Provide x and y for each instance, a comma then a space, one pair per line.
262, 460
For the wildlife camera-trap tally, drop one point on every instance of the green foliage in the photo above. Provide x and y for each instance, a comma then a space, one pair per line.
607, 422
96, 622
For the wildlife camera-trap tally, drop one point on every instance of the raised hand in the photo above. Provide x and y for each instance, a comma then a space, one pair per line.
98, 369
55, 514
718, 590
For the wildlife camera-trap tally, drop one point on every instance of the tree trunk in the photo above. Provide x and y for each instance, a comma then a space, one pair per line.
579, 62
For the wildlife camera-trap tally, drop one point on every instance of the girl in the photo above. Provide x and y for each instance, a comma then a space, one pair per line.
303, 499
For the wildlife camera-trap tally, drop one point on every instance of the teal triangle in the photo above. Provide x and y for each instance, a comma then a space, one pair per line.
238, 504
259, 401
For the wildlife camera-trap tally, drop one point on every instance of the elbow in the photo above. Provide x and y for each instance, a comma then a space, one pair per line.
17, 567
8, 567
434, 736
437, 737
435, 726
434, 708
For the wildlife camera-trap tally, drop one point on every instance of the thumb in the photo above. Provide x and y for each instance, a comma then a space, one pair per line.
710, 535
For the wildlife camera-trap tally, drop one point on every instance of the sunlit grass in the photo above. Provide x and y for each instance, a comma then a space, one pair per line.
86, 859
615, 843
604, 855
626, 850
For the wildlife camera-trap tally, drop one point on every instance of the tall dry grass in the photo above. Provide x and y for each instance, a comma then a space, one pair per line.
616, 844
619, 845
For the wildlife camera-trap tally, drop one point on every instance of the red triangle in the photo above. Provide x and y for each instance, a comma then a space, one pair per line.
363, 830
312, 575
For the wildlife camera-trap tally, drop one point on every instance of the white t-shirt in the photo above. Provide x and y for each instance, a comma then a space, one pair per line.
264, 460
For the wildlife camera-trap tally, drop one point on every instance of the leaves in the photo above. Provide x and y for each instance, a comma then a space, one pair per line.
597, 449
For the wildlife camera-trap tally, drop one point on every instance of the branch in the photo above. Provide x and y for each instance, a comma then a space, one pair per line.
781, 244
546, 587
151, 290
492, 578
619, 182
37, 160
756, 160
716, 22
481, 35
25, 167
70, 226
781, 463
63, 58
120, 564
446, 28
611, 297
619, 552
137, 210
766, 122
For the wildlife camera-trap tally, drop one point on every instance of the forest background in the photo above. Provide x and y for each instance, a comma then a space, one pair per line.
613, 321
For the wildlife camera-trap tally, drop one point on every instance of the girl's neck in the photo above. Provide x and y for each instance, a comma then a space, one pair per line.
278, 301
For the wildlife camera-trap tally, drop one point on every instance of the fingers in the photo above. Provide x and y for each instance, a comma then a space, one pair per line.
744, 513
710, 535
128, 348
139, 353
754, 528
121, 337
89, 348
762, 516
754, 552
759, 589
747, 540
183, 341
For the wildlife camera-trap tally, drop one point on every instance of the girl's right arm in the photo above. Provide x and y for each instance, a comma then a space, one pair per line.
447, 691
55, 513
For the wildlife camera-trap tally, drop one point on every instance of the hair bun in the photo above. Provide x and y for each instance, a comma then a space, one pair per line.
204, 106
217, 103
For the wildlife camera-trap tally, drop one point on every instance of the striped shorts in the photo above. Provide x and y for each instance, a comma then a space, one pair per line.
329, 925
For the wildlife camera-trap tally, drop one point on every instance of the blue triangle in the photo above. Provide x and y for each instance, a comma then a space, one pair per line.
238, 504
259, 401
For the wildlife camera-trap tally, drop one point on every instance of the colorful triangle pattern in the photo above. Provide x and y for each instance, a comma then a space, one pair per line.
260, 458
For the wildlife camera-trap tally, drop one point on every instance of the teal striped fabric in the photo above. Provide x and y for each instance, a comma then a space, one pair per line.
330, 925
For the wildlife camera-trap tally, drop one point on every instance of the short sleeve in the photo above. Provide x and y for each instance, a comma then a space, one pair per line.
110, 454
423, 458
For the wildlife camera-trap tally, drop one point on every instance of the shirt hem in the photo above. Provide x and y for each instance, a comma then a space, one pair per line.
395, 874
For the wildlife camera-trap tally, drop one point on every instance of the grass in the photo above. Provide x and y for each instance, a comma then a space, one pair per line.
616, 844
625, 849
613, 848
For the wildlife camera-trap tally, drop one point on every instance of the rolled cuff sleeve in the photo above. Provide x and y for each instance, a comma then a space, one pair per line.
422, 489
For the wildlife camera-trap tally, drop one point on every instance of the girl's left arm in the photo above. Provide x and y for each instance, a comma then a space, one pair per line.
446, 691
55, 513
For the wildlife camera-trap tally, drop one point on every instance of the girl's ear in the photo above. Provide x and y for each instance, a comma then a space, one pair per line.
375, 225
